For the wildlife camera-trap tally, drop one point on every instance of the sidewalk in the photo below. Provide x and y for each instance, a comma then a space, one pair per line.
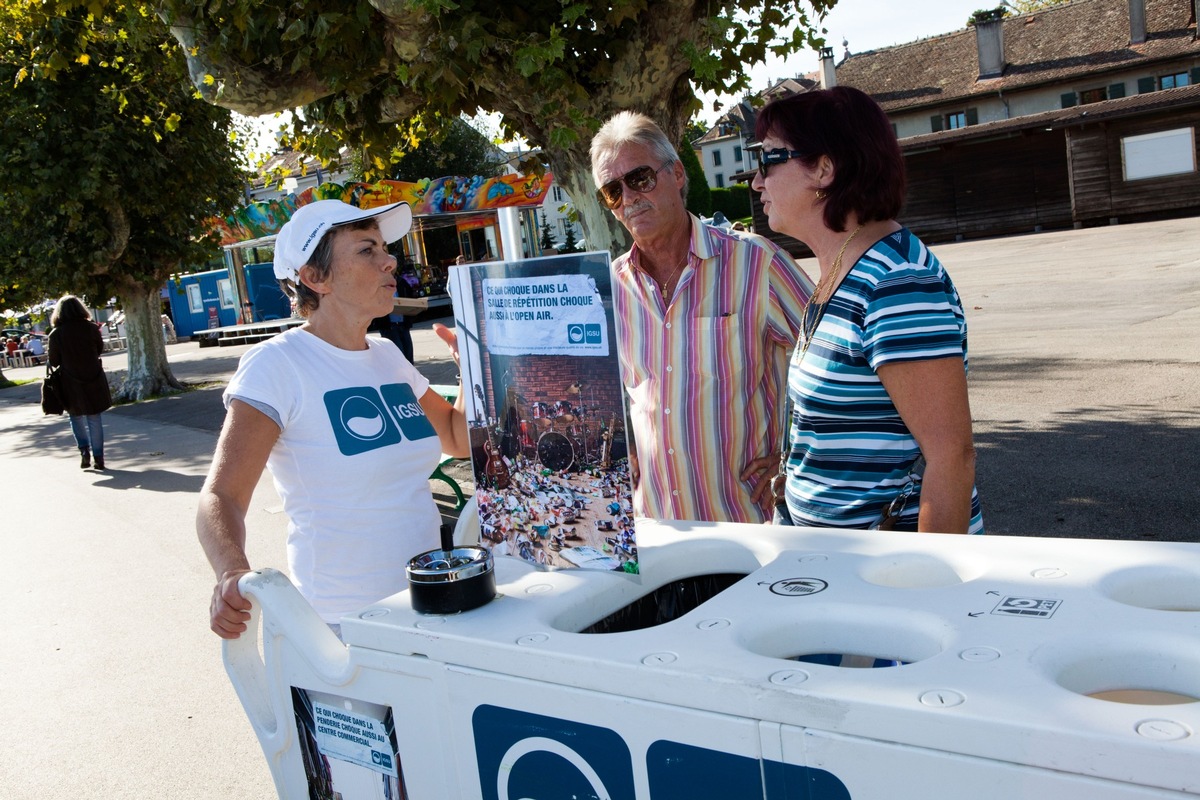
106, 640
1085, 374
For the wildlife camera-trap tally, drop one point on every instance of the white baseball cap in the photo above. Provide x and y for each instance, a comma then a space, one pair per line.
298, 238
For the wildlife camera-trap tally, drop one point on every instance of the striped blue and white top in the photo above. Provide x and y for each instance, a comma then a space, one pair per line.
851, 453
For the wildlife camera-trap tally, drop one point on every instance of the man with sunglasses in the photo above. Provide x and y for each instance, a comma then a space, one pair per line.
706, 321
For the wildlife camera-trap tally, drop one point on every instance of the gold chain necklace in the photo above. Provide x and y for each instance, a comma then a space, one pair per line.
815, 310
665, 285
829, 277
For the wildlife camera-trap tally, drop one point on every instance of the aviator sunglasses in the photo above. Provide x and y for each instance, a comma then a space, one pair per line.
640, 180
777, 156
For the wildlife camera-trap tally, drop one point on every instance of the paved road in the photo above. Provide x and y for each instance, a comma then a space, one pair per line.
1085, 374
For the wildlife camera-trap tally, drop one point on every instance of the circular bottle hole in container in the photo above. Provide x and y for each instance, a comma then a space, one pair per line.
854, 638
1160, 588
918, 571
1144, 697
1141, 672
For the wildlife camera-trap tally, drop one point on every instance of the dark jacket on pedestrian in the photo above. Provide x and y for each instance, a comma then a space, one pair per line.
75, 346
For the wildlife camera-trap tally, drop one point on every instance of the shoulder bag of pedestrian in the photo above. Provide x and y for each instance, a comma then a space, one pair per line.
52, 402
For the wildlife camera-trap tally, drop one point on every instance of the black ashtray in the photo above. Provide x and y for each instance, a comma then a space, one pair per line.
449, 581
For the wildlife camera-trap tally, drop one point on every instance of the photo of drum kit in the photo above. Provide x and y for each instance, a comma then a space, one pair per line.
566, 435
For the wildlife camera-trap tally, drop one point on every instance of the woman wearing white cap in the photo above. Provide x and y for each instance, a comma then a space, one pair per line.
348, 428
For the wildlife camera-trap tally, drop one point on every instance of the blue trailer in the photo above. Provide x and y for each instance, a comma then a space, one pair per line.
267, 299
202, 300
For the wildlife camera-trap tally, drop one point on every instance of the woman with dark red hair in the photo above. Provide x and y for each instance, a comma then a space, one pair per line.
881, 426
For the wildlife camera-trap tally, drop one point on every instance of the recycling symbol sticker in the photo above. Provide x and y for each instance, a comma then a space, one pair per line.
799, 587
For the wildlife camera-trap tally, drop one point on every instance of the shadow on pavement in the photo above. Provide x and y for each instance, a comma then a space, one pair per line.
200, 409
148, 479
1085, 474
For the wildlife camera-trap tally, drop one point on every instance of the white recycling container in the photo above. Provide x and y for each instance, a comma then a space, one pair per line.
751, 662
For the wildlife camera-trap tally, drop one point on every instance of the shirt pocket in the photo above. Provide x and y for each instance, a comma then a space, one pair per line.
716, 345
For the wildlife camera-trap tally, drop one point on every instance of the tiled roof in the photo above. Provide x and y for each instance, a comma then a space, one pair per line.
743, 115
1058, 44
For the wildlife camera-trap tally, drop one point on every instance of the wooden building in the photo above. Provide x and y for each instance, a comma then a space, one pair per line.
1087, 116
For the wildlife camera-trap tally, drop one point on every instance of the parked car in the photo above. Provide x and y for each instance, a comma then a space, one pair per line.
19, 332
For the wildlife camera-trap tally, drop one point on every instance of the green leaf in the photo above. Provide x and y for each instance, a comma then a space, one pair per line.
297, 30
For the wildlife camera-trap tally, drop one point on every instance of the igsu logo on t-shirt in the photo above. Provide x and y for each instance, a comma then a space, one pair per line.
364, 418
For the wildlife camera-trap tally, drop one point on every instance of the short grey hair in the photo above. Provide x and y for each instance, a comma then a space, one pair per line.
305, 299
632, 127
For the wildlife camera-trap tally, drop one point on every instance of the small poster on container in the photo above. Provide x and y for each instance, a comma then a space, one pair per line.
348, 747
544, 403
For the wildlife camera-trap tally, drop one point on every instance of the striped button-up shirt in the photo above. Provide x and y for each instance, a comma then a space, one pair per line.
706, 373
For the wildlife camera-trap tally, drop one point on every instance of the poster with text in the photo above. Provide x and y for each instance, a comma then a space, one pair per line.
348, 747
544, 404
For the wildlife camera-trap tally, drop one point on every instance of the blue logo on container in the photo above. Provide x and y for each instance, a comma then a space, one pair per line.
522, 755
685, 772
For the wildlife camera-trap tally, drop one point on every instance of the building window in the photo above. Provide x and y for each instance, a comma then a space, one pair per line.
1154, 155
558, 194
1173, 81
1093, 96
195, 302
225, 292
716, 158
954, 120
737, 153
719, 180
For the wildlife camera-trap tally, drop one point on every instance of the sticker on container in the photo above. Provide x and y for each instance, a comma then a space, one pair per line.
799, 587
1035, 607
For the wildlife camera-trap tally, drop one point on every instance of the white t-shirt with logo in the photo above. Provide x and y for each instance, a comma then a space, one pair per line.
352, 464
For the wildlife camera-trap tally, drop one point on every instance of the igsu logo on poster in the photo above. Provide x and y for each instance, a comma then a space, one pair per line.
523, 755
584, 333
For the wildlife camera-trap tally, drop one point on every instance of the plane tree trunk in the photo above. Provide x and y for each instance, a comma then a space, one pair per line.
149, 374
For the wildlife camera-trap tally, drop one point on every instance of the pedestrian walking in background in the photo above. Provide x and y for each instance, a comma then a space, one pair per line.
75, 345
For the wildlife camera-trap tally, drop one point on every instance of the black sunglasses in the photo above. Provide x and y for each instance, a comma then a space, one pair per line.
641, 180
777, 156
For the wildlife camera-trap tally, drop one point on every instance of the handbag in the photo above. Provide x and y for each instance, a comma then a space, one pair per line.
52, 402
892, 511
